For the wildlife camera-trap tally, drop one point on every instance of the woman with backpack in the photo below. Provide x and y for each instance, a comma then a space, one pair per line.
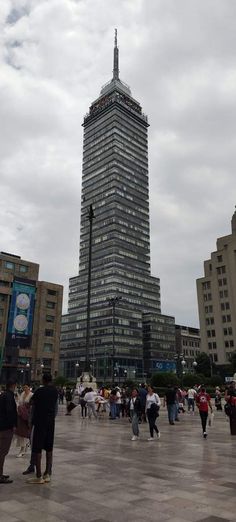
153, 404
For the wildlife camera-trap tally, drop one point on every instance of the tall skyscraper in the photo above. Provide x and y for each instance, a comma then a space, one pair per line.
115, 182
217, 300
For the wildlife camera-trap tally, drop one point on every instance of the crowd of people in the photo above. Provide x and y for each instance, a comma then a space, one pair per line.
29, 415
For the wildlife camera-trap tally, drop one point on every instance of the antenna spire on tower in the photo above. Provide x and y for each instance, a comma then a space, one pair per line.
116, 59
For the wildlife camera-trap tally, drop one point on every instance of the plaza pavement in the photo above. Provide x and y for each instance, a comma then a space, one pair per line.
101, 476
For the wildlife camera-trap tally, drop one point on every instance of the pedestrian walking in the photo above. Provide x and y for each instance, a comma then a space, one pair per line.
191, 400
90, 401
152, 409
143, 397
203, 401
135, 409
83, 403
22, 432
170, 402
8, 421
45, 404
230, 406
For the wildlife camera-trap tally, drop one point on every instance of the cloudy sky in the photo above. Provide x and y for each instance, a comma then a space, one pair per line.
179, 58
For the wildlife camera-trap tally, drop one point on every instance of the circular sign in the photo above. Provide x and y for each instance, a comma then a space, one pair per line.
20, 323
22, 301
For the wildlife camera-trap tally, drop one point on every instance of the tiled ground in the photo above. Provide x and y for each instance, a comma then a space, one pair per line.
101, 476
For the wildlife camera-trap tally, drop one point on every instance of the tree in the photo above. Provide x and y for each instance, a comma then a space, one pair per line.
233, 361
160, 379
204, 364
60, 381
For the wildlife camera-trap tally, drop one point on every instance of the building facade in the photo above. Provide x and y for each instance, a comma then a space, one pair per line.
188, 346
115, 183
216, 293
158, 343
30, 321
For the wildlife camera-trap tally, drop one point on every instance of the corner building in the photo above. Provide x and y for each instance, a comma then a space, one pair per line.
115, 182
30, 321
217, 300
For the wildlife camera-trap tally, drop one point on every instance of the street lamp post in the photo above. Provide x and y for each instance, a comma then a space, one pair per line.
195, 366
125, 375
76, 370
91, 217
113, 302
183, 364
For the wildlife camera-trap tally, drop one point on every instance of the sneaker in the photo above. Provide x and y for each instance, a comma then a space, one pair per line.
20, 455
134, 437
46, 477
5, 480
29, 470
150, 438
205, 435
158, 435
35, 480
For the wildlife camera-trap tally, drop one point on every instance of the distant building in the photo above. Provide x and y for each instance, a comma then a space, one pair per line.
30, 321
188, 341
217, 300
158, 343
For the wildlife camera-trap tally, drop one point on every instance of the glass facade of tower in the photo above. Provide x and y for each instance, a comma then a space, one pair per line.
115, 183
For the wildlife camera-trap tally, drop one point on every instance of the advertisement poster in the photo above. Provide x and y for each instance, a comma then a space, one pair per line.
21, 315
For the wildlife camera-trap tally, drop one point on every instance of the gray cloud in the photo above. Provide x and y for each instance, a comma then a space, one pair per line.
179, 59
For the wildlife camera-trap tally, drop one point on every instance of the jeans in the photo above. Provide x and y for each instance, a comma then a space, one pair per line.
5, 443
118, 408
113, 410
190, 404
203, 415
91, 409
171, 408
134, 421
152, 423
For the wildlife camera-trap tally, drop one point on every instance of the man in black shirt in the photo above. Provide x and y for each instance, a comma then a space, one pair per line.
170, 401
8, 421
44, 403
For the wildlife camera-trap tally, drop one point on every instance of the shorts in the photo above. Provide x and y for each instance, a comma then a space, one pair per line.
42, 437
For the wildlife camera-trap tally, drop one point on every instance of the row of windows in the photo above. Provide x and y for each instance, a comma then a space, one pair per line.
13, 266
222, 282
212, 346
191, 343
192, 353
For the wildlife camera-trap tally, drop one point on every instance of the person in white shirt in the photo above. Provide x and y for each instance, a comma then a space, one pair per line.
191, 400
90, 400
153, 403
118, 402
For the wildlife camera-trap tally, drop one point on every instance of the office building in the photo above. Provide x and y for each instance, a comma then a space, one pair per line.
115, 183
30, 321
216, 293
188, 346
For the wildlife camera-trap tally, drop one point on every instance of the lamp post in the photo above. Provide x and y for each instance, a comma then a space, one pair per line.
90, 217
125, 375
76, 369
113, 302
27, 372
195, 366
183, 364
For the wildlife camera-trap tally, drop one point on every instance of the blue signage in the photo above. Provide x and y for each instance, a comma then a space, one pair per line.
21, 314
164, 366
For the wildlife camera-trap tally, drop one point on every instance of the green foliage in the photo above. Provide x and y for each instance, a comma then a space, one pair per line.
204, 364
190, 379
233, 361
162, 379
60, 381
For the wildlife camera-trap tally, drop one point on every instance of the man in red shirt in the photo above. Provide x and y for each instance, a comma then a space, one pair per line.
203, 401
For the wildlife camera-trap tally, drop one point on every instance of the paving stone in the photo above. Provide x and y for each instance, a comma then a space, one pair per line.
99, 475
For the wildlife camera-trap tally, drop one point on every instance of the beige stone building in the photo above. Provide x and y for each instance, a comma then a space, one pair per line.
30, 321
188, 346
217, 300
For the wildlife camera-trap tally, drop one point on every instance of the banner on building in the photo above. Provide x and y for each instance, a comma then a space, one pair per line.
164, 366
21, 315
